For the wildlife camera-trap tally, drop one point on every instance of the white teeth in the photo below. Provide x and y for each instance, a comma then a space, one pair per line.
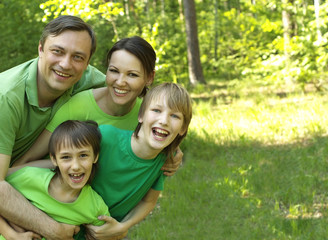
62, 74
121, 91
162, 131
76, 175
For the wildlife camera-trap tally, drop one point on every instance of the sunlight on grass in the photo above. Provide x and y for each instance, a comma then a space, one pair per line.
271, 122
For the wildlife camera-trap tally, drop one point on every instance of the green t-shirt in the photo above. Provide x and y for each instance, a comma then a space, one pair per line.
21, 118
33, 184
83, 106
122, 178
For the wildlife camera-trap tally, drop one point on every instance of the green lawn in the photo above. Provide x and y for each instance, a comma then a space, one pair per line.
255, 167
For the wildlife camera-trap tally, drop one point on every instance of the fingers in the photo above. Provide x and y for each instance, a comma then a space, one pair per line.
105, 218
36, 236
76, 229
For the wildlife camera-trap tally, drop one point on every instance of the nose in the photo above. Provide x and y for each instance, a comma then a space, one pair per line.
75, 164
65, 62
163, 119
121, 81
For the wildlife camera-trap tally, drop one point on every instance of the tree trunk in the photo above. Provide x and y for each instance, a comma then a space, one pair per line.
286, 21
317, 18
194, 64
216, 30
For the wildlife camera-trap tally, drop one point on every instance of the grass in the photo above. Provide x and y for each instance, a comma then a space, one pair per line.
255, 167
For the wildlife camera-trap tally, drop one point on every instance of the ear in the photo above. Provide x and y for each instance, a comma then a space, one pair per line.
183, 131
53, 160
96, 159
140, 119
150, 79
40, 49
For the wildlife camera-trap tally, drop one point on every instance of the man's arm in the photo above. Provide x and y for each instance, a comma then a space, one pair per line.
38, 150
17, 209
113, 228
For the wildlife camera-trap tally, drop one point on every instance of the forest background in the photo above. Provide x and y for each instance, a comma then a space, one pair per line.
255, 158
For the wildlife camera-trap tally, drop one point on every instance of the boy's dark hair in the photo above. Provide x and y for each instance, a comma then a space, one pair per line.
76, 133
67, 22
140, 48
178, 99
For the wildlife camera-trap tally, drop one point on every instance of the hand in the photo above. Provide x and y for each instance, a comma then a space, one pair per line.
111, 230
66, 232
23, 236
20, 233
170, 167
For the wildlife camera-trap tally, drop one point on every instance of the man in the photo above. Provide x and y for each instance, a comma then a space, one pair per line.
30, 94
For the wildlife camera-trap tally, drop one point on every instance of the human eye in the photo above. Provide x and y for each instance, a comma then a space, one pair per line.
78, 58
84, 155
65, 157
176, 115
156, 110
113, 70
56, 51
133, 75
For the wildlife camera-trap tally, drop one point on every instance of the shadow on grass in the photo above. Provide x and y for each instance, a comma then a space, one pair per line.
254, 190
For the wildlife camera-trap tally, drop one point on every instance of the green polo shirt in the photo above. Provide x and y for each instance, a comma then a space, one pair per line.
21, 118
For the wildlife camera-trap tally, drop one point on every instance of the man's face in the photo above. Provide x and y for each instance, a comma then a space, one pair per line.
62, 60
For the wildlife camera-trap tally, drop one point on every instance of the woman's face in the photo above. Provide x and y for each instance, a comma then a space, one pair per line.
125, 78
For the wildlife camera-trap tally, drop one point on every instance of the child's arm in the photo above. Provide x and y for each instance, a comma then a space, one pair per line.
38, 150
10, 233
112, 228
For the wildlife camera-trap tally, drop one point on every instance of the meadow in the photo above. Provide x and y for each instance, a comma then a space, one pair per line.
255, 167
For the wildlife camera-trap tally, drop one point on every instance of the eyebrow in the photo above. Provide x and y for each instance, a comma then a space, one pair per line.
133, 70
61, 48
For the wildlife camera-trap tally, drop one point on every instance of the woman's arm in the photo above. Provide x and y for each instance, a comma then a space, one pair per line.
112, 228
172, 165
38, 150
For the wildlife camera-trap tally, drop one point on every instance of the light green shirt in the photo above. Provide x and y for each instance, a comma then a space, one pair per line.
83, 106
34, 182
21, 118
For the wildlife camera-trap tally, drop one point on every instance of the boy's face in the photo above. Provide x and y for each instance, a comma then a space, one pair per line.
161, 124
62, 60
75, 165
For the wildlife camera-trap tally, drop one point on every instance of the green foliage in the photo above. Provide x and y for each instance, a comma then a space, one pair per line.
19, 32
240, 40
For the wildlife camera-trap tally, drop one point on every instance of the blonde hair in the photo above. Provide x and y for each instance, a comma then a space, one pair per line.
178, 99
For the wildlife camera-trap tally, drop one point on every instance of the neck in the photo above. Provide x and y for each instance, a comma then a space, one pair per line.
59, 192
142, 150
108, 106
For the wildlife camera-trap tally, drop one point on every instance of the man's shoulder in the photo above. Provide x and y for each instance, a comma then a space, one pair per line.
14, 79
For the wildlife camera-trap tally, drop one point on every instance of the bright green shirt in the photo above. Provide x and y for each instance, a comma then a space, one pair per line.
83, 106
34, 182
21, 118
123, 179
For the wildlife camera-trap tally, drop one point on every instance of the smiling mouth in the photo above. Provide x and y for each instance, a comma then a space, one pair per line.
120, 91
62, 74
77, 177
160, 133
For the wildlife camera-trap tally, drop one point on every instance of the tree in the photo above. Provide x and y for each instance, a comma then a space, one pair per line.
194, 64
